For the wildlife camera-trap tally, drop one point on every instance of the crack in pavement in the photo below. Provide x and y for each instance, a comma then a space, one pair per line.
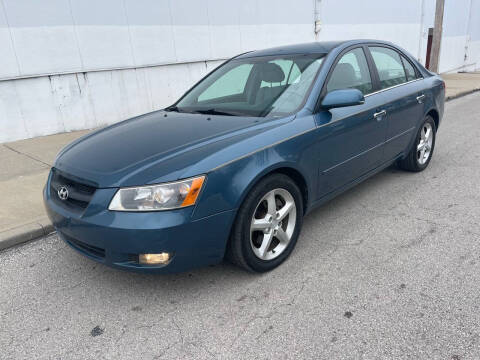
27, 155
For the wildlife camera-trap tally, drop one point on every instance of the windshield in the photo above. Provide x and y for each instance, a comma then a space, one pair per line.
257, 86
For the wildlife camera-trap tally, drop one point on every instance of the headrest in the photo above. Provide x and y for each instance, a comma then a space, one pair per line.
346, 70
343, 76
270, 72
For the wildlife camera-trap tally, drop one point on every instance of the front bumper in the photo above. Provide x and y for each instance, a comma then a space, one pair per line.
116, 238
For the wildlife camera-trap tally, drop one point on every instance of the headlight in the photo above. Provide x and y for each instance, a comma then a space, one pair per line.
158, 197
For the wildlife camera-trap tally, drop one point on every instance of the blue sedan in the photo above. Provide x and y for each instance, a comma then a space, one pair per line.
232, 167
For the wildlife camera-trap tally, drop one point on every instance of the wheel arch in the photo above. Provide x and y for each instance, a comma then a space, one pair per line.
436, 117
286, 169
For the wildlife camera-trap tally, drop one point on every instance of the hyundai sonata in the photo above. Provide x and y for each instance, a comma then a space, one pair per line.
233, 166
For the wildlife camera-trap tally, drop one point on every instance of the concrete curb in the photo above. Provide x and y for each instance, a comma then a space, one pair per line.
24, 233
43, 227
460, 94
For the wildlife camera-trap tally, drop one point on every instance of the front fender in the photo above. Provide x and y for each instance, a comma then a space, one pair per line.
228, 185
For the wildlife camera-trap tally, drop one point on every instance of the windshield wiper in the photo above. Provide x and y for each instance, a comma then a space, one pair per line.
212, 112
172, 108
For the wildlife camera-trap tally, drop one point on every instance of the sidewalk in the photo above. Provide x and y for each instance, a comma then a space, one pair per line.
25, 165
460, 84
24, 169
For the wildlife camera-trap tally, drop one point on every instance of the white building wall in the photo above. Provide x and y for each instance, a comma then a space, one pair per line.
396, 21
457, 36
69, 65
45, 105
472, 58
57, 36
427, 21
77, 64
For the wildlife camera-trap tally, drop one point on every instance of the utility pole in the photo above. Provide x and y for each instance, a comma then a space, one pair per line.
437, 36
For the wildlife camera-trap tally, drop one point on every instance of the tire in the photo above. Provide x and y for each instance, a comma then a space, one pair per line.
248, 246
416, 160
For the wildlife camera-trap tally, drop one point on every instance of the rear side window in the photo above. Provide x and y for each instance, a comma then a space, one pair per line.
389, 66
409, 70
351, 72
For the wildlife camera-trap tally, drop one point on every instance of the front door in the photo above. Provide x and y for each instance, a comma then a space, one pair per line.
350, 139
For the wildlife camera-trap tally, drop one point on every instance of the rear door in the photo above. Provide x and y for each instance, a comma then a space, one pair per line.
350, 139
403, 96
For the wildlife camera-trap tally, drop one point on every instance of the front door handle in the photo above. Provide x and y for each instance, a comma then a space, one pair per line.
379, 115
420, 98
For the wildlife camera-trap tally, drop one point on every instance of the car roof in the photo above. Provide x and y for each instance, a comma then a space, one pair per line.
321, 47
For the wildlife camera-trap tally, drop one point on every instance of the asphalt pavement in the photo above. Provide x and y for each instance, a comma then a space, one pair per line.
388, 270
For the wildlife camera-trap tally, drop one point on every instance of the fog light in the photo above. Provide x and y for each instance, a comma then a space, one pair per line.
154, 259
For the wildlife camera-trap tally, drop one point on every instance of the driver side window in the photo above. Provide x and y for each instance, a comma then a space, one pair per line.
231, 83
351, 72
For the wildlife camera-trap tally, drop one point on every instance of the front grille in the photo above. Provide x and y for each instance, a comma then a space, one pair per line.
86, 248
79, 194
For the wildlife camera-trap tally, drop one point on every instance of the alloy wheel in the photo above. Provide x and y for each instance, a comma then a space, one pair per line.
273, 224
424, 147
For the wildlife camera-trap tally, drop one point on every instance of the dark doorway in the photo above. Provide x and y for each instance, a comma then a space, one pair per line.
429, 47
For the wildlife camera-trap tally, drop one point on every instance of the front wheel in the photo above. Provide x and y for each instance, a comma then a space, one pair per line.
267, 225
422, 150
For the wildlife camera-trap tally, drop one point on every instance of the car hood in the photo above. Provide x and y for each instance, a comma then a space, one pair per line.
154, 147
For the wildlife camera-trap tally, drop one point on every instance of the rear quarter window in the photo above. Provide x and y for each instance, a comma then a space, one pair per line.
409, 69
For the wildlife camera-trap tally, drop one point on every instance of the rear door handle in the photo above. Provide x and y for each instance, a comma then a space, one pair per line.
379, 115
420, 98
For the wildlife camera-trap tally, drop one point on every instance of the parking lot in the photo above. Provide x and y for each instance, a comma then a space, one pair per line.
390, 269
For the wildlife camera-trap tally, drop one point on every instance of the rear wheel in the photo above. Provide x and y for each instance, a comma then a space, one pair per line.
422, 150
267, 225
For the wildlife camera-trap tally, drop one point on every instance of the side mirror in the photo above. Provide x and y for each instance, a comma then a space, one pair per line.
342, 98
